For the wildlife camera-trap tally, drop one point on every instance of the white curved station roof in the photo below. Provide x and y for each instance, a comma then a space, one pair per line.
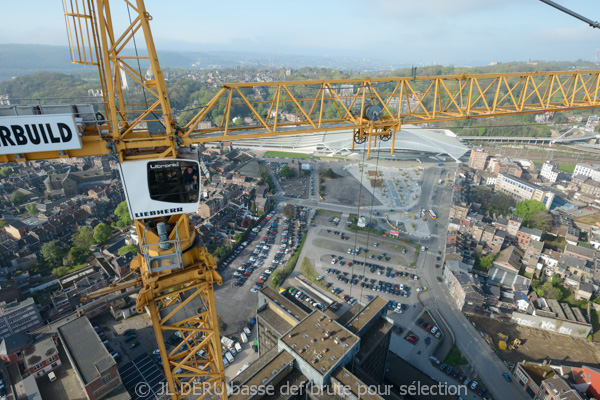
411, 138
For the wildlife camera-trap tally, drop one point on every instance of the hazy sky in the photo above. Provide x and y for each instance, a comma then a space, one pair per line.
461, 32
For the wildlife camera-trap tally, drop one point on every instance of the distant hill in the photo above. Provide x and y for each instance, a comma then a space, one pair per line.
25, 59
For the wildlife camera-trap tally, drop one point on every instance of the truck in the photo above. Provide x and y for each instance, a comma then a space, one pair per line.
225, 341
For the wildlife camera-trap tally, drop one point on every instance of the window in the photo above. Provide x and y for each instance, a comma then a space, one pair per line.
173, 181
106, 379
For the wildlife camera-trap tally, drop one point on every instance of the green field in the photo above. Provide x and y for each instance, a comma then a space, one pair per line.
455, 358
567, 167
286, 154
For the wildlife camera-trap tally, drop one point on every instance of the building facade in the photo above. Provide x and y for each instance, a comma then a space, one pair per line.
520, 190
17, 317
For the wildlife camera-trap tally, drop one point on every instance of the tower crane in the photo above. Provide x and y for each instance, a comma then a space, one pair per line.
174, 272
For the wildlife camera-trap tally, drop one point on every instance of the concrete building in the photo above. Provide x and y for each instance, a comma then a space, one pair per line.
521, 190
478, 159
590, 170
95, 368
550, 171
587, 380
316, 349
17, 317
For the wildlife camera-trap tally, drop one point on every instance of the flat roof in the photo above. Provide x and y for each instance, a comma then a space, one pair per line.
350, 381
42, 350
366, 314
320, 341
273, 319
284, 303
268, 372
536, 372
85, 349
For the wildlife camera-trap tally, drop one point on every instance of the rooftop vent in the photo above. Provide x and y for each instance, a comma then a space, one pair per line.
265, 380
346, 376
336, 340
332, 358
293, 345
322, 369
319, 356
317, 324
305, 336
274, 371
325, 350
313, 340
345, 345
316, 360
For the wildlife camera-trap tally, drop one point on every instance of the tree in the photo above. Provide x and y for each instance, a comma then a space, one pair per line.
528, 208
540, 220
83, 238
287, 172
126, 249
3, 223
102, 232
550, 292
6, 171
76, 255
122, 212
488, 260
288, 211
17, 197
60, 271
51, 253
32, 209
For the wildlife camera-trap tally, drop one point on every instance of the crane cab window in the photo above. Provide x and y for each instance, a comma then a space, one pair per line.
173, 181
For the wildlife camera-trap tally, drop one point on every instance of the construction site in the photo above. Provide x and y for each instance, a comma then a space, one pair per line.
536, 345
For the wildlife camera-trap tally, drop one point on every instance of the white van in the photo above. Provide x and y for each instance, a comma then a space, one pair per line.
229, 357
244, 337
238, 347
51, 376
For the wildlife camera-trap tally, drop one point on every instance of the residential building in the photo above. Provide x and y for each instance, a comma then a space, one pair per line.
478, 158
590, 187
41, 358
587, 380
510, 258
514, 224
526, 235
505, 166
531, 376
460, 210
464, 290
557, 388
94, 367
16, 229
581, 252
523, 190
532, 255
18, 317
550, 171
589, 170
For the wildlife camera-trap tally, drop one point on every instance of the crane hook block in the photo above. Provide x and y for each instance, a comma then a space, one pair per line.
373, 112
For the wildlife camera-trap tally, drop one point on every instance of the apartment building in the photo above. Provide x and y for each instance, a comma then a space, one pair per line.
521, 190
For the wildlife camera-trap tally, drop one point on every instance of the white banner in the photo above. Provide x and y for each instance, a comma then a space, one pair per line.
35, 133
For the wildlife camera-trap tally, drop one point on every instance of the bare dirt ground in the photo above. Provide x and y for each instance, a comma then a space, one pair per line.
346, 190
538, 345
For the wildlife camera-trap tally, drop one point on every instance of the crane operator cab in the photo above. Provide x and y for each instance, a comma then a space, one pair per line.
161, 187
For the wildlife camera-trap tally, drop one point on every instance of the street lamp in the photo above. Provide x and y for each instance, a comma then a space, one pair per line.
467, 351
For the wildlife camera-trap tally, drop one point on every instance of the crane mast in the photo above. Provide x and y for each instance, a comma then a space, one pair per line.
174, 272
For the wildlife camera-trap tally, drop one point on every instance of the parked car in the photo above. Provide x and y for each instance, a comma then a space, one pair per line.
506, 376
134, 344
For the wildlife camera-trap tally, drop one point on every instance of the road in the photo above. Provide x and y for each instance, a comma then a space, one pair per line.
473, 347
